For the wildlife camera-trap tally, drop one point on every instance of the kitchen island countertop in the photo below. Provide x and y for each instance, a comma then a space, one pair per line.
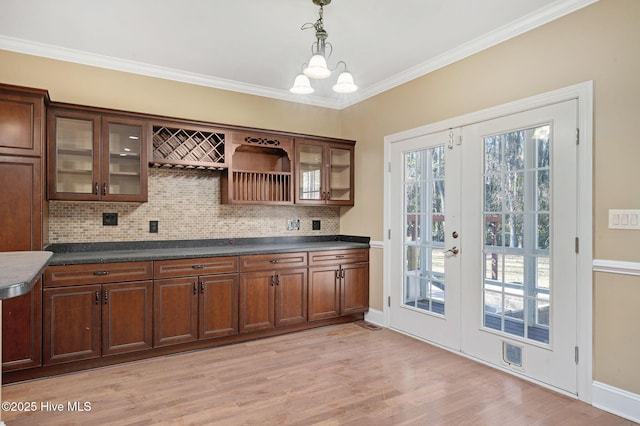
19, 271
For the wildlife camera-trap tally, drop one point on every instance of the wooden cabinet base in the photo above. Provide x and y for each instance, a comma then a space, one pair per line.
68, 367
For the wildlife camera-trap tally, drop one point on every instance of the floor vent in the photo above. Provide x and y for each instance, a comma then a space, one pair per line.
368, 325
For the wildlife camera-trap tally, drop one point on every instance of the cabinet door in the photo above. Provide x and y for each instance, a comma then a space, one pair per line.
310, 177
257, 292
21, 121
355, 288
74, 155
124, 159
291, 297
22, 330
340, 175
71, 323
20, 203
218, 306
324, 292
127, 317
175, 311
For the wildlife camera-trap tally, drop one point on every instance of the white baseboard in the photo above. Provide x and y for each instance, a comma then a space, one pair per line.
375, 317
616, 401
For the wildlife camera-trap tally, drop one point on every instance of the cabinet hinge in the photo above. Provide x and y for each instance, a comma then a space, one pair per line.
577, 245
389, 301
577, 354
577, 136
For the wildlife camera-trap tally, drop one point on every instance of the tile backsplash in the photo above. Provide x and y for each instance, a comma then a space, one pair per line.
186, 204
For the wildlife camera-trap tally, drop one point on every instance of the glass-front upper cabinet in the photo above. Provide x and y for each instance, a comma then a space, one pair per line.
96, 157
324, 172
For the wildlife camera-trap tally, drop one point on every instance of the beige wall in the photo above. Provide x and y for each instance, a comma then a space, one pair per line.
84, 85
598, 43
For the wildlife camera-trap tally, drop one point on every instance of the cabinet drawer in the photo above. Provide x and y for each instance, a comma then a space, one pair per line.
192, 267
95, 273
264, 262
338, 257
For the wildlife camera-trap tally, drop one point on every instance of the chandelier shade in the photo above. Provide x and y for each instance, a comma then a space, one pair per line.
345, 83
301, 85
317, 67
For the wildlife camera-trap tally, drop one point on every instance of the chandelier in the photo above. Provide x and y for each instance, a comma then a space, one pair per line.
317, 66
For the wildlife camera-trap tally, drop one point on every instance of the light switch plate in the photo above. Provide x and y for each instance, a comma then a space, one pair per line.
624, 219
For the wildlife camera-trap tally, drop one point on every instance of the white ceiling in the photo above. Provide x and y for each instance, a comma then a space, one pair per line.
257, 47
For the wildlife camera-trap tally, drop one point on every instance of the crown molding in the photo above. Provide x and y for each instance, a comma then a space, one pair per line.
124, 65
522, 25
527, 23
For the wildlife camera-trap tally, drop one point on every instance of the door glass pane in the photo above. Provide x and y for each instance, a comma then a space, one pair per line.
423, 213
124, 159
310, 172
74, 156
516, 203
340, 175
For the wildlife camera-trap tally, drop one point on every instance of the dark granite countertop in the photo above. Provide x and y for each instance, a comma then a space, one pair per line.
19, 271
82, 253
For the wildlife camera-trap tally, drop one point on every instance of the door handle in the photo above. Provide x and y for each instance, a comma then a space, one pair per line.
454, 250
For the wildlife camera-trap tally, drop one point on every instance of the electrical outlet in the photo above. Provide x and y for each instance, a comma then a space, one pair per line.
109, 219
153, 226
293, 225
315, 225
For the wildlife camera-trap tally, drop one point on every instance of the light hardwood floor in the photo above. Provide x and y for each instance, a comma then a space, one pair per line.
335, 375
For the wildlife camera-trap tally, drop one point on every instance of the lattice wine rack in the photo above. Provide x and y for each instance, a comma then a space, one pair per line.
189, 149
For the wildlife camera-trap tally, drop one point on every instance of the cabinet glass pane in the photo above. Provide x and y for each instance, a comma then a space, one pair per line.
74, 156
310, 172
124, 159
340, 176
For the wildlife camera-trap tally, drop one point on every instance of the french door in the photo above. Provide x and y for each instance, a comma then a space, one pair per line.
483, 225
426, 218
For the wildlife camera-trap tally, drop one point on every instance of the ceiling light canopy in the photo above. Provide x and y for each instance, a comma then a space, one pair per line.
317, 67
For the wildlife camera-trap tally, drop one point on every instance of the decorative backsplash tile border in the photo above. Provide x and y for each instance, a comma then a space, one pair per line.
186, 204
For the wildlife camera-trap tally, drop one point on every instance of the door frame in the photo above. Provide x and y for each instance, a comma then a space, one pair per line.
583, 93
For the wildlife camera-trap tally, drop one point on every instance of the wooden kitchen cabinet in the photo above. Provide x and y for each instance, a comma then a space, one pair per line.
273, 291
260, 169
22, 215
22, 330
22, 121
324, 172
338, 283
89, 317
195, 299
96, 156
